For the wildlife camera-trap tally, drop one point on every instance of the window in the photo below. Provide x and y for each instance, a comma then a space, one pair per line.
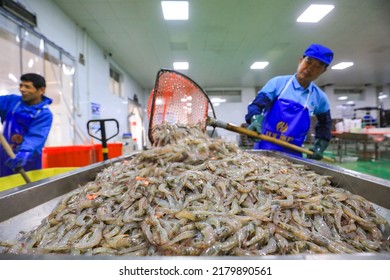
115, 82
29, 52
10, 63
224, 96
349, 94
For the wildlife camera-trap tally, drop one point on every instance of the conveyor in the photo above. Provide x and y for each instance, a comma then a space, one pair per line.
23, 208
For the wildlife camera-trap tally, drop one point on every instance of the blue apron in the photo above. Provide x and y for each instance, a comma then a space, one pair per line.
287, 121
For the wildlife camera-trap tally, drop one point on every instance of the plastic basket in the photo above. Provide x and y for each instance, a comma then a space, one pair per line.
114, 150
67, 156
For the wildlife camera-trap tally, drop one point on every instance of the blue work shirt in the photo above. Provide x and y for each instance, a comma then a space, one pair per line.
26, 128
317, 103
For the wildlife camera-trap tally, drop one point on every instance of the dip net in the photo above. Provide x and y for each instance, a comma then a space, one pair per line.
177, 99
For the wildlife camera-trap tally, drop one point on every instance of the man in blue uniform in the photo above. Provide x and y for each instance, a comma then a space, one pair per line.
282, 108
26, 121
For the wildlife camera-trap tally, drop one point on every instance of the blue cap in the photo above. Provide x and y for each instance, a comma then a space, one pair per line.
319, 52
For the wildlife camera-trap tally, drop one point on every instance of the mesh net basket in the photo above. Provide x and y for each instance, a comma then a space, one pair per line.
176, 99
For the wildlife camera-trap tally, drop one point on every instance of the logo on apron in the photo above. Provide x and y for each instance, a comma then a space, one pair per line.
282, 127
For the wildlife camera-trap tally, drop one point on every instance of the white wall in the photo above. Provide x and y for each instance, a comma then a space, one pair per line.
234, 113
369, 99
92, 79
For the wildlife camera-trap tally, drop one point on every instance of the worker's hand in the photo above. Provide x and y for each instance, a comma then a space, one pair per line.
256, 126
256, 123
318, 149
19, 161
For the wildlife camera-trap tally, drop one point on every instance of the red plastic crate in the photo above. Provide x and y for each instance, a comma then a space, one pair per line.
114, 150
67, 156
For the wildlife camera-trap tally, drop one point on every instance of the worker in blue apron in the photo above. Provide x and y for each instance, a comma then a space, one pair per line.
283, 107
26, 121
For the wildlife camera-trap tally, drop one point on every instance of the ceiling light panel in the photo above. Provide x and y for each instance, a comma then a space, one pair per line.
342, 65
315, 13
180, 65
259, 65
175, 10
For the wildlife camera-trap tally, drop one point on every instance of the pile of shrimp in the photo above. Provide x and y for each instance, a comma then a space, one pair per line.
199, 196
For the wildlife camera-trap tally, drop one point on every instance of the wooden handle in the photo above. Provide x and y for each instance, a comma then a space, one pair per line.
11, 154
6, 146
242, 130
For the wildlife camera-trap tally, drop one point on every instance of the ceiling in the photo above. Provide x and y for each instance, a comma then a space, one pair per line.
222, 38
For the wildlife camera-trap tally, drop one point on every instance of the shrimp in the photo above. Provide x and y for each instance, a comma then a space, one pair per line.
270, 248
139, 249
362, 222
119, 241
208, 235
300, 220
299, 234
260, 236
284, 202
184, 235
281, 242
111, 231
244, 233
93, 240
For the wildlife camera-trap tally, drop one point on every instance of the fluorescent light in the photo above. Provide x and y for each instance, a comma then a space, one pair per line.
315, 13
30, 63
259, 65
342, 65
343, 98
175, 10
217, 100
68, 71
12, 77
383, 96
41, 45
180, 65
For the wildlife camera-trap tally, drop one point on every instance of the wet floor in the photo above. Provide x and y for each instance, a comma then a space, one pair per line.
378, 168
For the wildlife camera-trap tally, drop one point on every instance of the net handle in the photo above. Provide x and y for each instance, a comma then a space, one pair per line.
166, 108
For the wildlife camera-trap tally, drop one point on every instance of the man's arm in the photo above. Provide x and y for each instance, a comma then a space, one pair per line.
324, 126
323, 135
33, 141
265, 97
257, 106
37, 134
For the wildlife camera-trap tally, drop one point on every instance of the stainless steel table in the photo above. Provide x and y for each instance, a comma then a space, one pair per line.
24, 207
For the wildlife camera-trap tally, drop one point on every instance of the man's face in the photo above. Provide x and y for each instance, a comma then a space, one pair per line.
30, 94
310, 69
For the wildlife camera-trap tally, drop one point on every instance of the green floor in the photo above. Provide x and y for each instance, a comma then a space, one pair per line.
378, 168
